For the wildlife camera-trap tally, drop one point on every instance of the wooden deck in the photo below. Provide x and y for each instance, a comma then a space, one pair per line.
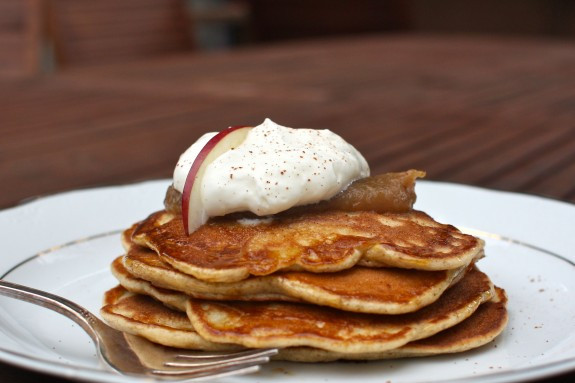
493, 113
489, 112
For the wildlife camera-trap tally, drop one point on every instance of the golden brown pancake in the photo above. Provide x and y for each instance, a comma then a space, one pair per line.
141, 315
360, 289
123, 310
228, 250
281, 324
171, 298
486, 323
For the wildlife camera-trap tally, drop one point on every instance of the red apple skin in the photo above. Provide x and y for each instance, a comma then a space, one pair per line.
196, 166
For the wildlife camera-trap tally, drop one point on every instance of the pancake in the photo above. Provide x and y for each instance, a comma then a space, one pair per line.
229, 249
141, 315
360, 289
281, 324
134, 285
482, 327
122, 308
140, 267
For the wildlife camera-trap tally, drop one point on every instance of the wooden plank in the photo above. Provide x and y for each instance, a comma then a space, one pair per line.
558, 183
19, 38
476, 112
93, 33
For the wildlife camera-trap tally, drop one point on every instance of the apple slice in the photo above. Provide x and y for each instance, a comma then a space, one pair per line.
193, 212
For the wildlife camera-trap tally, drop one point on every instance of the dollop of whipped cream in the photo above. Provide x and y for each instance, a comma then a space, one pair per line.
274, 169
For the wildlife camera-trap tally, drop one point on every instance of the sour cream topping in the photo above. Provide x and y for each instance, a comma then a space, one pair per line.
274, 169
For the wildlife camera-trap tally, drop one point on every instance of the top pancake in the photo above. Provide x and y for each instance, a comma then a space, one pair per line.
230, 249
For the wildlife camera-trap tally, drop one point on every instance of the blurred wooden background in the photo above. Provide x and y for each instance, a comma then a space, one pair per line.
96, 93
100, 92
34, 34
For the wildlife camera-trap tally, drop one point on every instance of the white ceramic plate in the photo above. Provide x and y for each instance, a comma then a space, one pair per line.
64, 244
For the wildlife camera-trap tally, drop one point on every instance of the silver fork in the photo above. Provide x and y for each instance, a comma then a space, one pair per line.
135, 356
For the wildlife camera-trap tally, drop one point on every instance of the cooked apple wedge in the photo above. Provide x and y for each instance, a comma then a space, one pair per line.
193, 212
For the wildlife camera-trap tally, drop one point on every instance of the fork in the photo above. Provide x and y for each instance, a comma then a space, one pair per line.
135, 356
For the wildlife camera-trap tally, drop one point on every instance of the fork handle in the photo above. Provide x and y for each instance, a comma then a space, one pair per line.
61, 305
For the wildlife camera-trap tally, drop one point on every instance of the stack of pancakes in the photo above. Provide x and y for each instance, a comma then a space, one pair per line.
320, 286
